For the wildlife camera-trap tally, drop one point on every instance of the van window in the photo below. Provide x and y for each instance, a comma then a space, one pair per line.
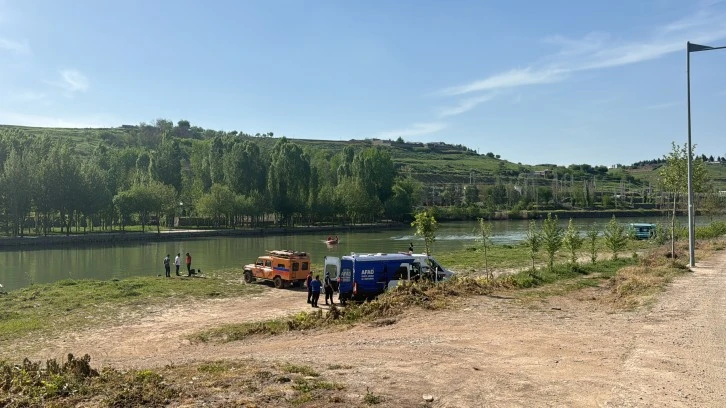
304, 266
295, 266
401, 273
332, 270
268, 263
281, 266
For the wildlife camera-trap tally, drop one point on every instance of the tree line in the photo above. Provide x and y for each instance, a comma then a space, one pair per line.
47, 183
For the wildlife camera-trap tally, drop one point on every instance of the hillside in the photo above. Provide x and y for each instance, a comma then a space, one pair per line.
432, 163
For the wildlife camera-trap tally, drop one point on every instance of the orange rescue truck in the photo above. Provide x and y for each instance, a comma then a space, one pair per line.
283, 267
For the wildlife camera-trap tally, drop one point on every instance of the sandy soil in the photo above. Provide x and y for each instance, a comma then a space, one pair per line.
487, 351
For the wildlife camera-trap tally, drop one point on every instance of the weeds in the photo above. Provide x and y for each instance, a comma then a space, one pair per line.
76, 383
372, 399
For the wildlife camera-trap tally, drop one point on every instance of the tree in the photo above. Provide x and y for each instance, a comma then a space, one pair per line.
216, 161
374, 169
425, 224
288, 179
552, 235
592, 234
166, 165
14, 182
406, 194
485, 240
471, 194
714, 204
674, 177
533, 240
572, 241
220, 201
615, 237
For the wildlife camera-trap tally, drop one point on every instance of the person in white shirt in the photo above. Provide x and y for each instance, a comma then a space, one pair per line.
177, 262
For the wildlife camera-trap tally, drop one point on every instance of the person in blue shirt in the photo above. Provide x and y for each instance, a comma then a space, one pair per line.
315, 285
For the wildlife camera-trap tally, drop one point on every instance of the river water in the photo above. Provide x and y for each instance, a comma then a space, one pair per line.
23, 267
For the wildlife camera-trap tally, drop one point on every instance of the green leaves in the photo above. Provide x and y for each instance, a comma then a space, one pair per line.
426, 226
616, 238
572, 241
484, 238
533, 240
552, 236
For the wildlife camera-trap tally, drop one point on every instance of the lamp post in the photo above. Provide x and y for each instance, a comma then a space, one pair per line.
690, 47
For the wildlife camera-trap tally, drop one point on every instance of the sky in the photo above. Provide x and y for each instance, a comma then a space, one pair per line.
563, 82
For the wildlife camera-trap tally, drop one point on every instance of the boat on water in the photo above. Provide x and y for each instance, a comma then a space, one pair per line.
642, 230
332, 241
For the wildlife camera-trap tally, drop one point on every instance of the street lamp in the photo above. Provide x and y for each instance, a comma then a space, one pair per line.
690, 47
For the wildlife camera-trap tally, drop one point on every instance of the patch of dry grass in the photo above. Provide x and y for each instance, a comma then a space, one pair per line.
239, 383
638, 285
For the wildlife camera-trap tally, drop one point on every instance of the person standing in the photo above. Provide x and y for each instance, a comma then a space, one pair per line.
308, 283
316, 284
189, 264
410, 247
177, 262
328, 286
167, 267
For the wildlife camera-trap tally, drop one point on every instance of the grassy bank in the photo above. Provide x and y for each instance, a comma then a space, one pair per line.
623, 280
513, 258
75, 304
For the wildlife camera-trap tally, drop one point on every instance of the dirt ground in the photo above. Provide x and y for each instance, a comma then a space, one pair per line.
487, 351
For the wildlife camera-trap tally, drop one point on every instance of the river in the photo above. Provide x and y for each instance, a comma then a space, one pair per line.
23, 267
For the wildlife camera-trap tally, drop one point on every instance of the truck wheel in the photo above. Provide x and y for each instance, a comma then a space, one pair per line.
278, 282
248, 277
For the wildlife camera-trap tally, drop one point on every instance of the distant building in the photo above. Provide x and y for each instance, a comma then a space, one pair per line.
543, 173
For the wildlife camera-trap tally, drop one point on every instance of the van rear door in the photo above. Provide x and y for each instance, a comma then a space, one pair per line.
332, 267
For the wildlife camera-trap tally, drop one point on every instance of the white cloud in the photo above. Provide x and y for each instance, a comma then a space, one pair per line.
464, 105
22, 119
570, 47
416, 129
73, 81
512, 78
598, 51
19, 47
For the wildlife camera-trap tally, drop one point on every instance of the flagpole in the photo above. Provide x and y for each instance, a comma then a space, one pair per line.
691, 47
691, 232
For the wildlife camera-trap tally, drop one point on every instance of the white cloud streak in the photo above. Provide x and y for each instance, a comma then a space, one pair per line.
416, 129
509, 79
18, 47
599, 51
73, 81
464, 105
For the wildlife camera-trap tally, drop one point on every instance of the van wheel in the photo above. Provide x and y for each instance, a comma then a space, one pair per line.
278, 282
248, 277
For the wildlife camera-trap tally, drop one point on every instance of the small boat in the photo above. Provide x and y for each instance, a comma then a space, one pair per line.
332, 241
642, 230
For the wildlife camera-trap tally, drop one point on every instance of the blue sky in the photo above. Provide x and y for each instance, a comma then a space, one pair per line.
534, 81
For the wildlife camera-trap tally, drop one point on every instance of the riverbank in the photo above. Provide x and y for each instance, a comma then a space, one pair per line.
92, 238
509, 343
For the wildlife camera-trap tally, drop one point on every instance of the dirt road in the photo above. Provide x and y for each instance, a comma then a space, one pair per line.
488, 351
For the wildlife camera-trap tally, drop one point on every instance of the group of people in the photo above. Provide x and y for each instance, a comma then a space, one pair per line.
177, 263
314, 285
